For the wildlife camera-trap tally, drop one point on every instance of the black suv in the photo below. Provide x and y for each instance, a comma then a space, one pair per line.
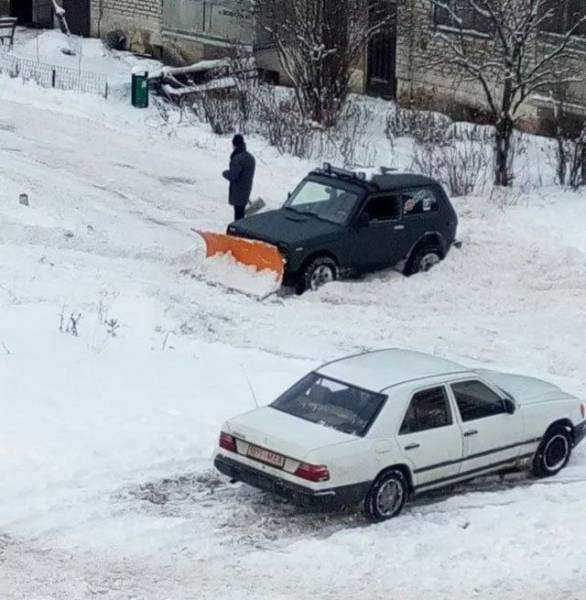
339, 223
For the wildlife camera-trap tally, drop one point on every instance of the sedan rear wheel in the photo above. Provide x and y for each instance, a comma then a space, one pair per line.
387, 496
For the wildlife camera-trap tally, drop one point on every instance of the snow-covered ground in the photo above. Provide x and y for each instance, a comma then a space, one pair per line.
107, 489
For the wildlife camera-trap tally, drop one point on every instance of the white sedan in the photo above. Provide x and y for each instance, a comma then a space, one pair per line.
380, 426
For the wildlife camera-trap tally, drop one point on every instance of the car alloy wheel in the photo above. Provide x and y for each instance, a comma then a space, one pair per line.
556, 452
320, 276
553, 453
318, 272
428, 261
387, 496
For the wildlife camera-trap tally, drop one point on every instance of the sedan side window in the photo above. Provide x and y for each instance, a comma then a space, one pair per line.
384, 208
476, 401
428, 409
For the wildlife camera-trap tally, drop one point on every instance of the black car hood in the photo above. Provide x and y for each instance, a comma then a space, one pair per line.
283, 226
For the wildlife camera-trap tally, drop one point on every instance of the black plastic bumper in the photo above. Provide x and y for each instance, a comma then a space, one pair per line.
579, 432
347, 495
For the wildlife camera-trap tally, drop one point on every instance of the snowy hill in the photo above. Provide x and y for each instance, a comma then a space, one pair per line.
107, 486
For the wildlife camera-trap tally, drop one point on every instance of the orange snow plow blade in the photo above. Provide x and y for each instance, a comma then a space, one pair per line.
251, 253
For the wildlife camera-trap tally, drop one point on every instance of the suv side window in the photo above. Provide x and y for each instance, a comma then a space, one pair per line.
476, 401
417, 202
384, 208
428, 409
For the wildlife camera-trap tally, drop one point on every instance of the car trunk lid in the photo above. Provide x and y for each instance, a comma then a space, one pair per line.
282, 433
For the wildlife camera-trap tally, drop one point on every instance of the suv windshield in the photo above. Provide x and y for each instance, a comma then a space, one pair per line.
332, 404
324, 201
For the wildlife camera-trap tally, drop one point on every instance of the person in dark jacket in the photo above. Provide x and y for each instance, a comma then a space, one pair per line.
240, 175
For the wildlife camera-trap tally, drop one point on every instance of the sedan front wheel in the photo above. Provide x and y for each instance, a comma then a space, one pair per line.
553, 453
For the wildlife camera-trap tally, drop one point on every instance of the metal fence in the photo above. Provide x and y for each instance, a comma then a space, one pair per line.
53, 76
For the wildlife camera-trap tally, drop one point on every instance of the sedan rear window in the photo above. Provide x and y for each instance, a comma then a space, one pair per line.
332, 404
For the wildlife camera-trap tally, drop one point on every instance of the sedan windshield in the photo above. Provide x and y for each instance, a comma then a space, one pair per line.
323, 201
332, 404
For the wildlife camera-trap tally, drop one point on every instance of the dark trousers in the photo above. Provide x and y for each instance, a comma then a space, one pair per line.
239, 212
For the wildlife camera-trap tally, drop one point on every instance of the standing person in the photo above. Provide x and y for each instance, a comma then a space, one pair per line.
240, 175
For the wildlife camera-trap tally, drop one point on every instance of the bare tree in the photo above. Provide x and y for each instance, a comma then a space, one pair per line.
318, 42
515, 61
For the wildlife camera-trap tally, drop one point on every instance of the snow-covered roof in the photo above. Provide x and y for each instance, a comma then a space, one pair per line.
384, 368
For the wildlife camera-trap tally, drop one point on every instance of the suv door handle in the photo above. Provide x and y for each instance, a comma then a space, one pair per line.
411, 446
399, 227
470, 432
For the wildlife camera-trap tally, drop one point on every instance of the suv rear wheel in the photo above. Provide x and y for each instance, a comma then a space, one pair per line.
316, 273
423, 259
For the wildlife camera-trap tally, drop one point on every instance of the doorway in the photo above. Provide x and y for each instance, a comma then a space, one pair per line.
381, 60
22, 10
78, 16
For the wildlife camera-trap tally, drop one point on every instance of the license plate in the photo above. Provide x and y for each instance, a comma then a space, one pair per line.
266, 456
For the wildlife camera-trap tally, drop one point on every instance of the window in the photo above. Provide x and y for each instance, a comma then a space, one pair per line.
384, 208
459, 14
564, 16
323, 201
476, 401
332, 404
419, 202
428, 410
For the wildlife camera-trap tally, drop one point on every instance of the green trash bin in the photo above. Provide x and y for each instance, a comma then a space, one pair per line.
140, 90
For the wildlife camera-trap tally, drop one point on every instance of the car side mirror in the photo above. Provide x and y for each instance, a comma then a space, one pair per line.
364, 219
509, 406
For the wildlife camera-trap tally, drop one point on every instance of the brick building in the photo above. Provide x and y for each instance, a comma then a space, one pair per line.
395, 65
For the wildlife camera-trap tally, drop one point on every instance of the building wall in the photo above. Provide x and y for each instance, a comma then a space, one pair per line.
138, 19
421, 84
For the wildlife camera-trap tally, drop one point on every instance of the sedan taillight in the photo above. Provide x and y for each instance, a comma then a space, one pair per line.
227, 442
313, 472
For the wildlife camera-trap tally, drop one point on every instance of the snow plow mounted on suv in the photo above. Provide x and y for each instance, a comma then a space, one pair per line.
338, 223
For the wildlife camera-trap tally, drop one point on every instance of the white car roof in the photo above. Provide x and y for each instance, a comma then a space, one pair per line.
382, 369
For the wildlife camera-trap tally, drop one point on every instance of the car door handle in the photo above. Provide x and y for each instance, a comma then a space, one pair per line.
399, 227
411, 446
470, 432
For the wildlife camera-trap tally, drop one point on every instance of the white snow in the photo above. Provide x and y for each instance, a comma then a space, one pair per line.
223, 269
90, 56
105, 441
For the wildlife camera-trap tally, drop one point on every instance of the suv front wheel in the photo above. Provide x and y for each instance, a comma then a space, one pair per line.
318, 272
423, 259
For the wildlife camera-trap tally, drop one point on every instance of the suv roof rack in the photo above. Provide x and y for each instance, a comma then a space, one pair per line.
328, 169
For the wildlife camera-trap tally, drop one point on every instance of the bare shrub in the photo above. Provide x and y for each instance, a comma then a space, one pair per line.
112, 326
577, 167
423, 126
462, 166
